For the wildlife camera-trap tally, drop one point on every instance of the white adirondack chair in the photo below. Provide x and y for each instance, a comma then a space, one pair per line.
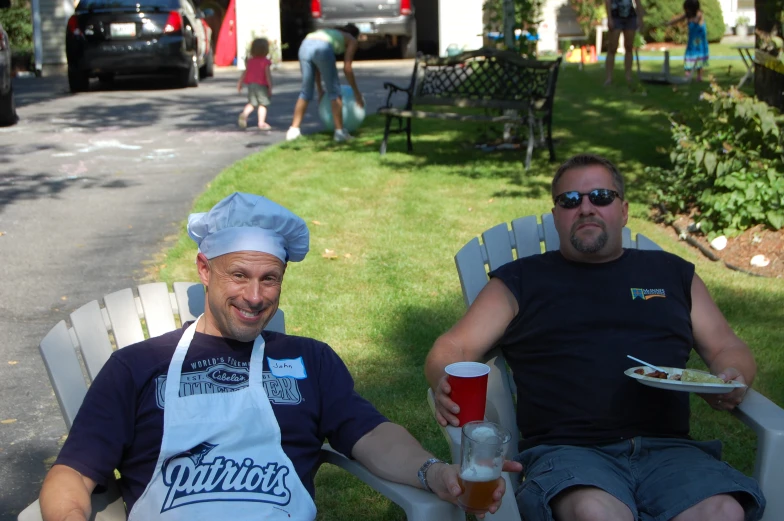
122, 321
528, 237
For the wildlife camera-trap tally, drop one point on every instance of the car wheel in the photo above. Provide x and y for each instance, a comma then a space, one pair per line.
106, 78
408, 45
78, 81
208, 69
8, 109
190, 76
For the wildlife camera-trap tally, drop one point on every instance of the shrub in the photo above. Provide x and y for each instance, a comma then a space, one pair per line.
18, 23
659, 12
728, 166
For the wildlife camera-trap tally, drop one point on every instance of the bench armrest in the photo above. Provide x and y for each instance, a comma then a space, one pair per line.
395, 88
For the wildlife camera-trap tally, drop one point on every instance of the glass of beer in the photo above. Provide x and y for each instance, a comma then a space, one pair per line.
482, 453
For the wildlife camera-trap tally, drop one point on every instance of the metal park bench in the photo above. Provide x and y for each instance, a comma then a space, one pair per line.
511, 90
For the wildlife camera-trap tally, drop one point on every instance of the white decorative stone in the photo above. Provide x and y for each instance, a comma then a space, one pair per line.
719, 243
759, 261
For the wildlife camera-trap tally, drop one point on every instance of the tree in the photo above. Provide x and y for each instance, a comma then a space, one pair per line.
509, 16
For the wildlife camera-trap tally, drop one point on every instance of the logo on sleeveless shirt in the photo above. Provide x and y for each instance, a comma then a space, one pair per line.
646, 294
191, 479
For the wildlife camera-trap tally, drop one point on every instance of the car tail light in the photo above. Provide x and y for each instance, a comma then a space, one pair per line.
315, 8
405, 7
173, 23
73, 26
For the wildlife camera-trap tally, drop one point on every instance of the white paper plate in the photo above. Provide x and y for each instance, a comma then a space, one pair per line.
677, 385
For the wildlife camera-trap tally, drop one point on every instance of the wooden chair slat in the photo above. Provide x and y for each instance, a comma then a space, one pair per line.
190, 300
158, 312
91, 332
644, 243
526, 233
471, 270
65, 371
278, 322
498, 245
124, 316
551, 239
626, 238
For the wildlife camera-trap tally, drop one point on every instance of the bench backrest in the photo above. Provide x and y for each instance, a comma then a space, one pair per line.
96, 330
485, 78
499, 246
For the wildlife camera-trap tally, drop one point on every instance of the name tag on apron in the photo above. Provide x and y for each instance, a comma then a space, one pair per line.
288, 368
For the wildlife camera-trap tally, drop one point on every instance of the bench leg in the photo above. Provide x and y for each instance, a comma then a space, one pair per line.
383, 149
549, 122
531, 137
408, 135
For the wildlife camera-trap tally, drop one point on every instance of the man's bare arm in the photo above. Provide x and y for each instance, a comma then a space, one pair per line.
719, 346
469, 340
391, 452
348, 69
65, 495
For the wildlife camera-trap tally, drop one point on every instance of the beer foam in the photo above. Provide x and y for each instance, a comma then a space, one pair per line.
482, 434
479, 473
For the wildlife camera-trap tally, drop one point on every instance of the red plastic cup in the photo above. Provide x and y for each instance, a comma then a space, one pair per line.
468, 381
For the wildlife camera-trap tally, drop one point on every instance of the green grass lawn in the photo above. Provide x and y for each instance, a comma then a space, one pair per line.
396, 222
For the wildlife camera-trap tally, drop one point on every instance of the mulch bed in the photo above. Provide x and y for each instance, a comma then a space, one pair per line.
739, 251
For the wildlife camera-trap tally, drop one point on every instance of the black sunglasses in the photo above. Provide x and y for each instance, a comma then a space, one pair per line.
598, 197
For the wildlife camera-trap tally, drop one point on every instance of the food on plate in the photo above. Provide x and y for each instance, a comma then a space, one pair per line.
661, 375
700, 377
653, 374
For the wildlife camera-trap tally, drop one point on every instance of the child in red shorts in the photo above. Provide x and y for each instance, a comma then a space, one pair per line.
258, 78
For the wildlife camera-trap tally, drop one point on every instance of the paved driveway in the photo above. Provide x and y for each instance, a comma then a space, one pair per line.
92, 187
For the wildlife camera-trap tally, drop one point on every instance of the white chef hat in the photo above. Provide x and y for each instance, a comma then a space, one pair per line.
249, 222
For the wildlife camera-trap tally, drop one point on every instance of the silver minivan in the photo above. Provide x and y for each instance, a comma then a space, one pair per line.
379, 21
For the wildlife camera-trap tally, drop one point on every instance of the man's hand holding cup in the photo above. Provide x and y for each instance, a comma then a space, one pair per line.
461, 395
444, 482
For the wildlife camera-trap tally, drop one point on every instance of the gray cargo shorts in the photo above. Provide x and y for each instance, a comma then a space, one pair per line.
657, 478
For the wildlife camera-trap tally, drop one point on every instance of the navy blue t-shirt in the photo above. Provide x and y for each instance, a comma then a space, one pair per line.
567, 346
120, 423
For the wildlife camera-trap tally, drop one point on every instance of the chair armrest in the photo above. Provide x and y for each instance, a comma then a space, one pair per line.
418, 504
767, 420
107, 506
508, 510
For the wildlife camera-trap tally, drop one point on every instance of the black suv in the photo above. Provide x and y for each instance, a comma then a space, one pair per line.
109, 37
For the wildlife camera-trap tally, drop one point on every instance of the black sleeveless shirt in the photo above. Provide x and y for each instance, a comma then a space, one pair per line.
567, 346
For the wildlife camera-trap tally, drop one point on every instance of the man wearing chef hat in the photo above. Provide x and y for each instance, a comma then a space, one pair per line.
239, 437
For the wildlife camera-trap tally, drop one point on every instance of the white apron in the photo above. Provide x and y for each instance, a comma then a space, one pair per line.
221, 456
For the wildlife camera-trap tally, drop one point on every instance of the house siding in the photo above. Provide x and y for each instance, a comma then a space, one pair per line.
53, 22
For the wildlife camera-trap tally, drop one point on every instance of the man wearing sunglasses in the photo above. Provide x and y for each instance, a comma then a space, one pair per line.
596, 444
